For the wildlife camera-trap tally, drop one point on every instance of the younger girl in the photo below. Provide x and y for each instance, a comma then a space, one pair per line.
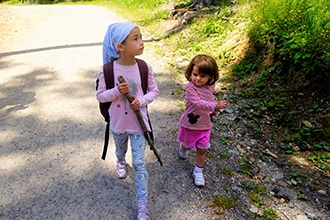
195, 122
122, 42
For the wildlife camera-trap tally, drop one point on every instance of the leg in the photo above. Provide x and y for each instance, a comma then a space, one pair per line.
202, 144
183, 138
139, 143
183, 152
121, 140
121, 149
200, 157
198, 170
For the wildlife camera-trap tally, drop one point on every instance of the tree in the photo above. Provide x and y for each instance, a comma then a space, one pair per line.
186, 13
203, 3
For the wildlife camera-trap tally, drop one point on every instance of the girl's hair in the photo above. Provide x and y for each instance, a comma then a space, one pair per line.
206, 65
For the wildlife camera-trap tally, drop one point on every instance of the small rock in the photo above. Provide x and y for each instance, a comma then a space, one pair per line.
277, 175
35, 211
302, 217
294, 182
224, 134
254, 209
295, 148
312, 216
291, 205
321, 191
242, 151
307, 124
229, 111
234, 152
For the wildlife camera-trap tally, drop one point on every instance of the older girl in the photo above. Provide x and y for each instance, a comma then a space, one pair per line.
122, 42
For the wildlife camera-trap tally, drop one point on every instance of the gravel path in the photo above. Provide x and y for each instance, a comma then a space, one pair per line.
51, 134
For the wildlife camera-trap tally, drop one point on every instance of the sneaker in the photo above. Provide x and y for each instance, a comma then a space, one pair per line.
143, 212
198, 179
121, 172
183, 152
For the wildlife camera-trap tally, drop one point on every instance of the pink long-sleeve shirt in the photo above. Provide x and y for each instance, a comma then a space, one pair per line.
200, 103
122, 117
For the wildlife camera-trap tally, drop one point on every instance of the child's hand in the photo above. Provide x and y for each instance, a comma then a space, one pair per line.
123, 88
222, 104
135, 105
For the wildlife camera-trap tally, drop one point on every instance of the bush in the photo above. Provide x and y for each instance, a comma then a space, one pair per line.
297, 33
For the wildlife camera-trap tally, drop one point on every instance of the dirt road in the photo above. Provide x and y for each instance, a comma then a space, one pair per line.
51, 133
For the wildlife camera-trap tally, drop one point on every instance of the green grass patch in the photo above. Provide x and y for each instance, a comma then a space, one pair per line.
220, 203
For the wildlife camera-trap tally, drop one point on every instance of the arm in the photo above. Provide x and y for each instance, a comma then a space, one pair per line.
153, 91
197, 101
221, 104
104, 95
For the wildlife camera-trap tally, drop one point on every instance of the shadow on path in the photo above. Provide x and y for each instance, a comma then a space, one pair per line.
49, 48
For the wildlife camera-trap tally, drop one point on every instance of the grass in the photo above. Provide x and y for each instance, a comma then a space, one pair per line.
269, 214
221, 203
297, 30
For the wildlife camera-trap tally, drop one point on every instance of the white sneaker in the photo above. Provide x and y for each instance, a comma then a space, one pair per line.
198, 179
121, 171
183, 152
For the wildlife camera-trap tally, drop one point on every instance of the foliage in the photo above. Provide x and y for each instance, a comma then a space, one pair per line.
183, 3
206, 34
220, 203
297, 33
321, 160
288, 55
141, 12
269, 214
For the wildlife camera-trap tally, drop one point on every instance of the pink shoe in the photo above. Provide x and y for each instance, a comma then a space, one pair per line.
121, 171
143, 212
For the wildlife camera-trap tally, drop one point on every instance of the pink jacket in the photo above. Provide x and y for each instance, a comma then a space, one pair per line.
122, 117
200, 103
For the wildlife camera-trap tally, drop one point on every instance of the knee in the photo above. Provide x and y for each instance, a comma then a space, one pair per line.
139, 165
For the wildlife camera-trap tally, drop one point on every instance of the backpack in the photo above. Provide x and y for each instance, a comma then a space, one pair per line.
109, 81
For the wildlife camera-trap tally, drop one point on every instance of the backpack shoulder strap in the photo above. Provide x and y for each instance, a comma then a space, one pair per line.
108, 75
143, 68
109, 82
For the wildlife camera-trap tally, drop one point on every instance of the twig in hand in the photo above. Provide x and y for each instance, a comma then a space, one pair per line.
143, 125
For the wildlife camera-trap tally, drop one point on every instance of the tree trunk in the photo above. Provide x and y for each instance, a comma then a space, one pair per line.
186, 14
203, 3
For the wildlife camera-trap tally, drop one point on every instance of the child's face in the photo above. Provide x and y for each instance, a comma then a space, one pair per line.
133, 44
199, 79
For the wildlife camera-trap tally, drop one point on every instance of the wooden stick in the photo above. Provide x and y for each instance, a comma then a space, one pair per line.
143, 125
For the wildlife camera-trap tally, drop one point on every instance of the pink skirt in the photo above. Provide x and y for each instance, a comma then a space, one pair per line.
194, 138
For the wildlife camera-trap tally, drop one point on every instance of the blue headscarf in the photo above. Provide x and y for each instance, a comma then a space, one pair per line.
116, 34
